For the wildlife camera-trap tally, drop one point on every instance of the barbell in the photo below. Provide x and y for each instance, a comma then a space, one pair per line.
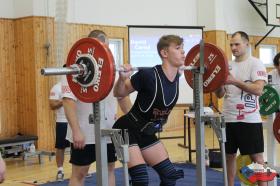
269, 100
90, 69
269, 104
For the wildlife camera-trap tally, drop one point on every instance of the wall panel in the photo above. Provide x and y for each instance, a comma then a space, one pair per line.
27, 113
43, 56
8, 90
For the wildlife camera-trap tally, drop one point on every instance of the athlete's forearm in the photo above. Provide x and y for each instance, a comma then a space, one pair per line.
123, 88
254, 88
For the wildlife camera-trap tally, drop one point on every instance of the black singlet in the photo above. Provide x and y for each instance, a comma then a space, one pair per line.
156, 94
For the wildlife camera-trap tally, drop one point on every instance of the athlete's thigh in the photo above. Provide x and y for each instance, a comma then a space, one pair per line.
135, 156
155, 154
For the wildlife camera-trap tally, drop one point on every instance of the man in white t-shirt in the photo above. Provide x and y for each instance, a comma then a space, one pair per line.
241, 107
55, 101
275, 73
81, 133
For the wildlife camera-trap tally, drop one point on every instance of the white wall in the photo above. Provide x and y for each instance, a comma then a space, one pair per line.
108, 12
229, 15
206, 14
7, 9
43, 7
240, 15
128, 12
23, 8
232, 15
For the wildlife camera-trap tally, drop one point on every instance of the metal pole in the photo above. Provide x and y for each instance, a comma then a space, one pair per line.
222, 140
199, 123
100, 147
125, 165
121, 146
271, 146
222, 146
271, 142
218, 125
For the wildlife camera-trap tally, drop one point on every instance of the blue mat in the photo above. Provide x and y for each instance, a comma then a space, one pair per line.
213, 177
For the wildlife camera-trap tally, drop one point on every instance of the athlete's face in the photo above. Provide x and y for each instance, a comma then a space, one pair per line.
175, 54
238, 45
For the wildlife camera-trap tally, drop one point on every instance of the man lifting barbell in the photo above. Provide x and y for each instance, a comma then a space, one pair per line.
157, 94
241, 108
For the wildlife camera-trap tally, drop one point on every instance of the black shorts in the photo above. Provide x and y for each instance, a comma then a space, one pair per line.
86, 156
61, 130
135, 136
247, 137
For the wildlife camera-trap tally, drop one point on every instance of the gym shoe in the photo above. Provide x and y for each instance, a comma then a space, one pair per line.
88, 175
59, 176
257, 172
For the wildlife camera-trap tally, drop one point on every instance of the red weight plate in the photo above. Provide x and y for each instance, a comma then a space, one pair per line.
106, 72
276, 127
216, 64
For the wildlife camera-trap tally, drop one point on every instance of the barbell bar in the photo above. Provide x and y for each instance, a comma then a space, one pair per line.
90, 69
80, 70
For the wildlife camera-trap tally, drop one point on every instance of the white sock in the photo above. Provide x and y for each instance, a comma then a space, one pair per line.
60, 169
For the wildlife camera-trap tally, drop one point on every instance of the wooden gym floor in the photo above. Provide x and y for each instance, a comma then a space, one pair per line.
30, 172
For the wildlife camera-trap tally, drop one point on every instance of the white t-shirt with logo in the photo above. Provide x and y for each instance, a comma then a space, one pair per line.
55, 94
275, 79
108, 118
240, 106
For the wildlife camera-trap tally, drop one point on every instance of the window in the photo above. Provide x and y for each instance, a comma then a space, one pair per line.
116, 47
267, 53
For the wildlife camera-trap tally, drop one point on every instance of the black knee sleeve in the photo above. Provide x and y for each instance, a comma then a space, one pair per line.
139, 175
167, 172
